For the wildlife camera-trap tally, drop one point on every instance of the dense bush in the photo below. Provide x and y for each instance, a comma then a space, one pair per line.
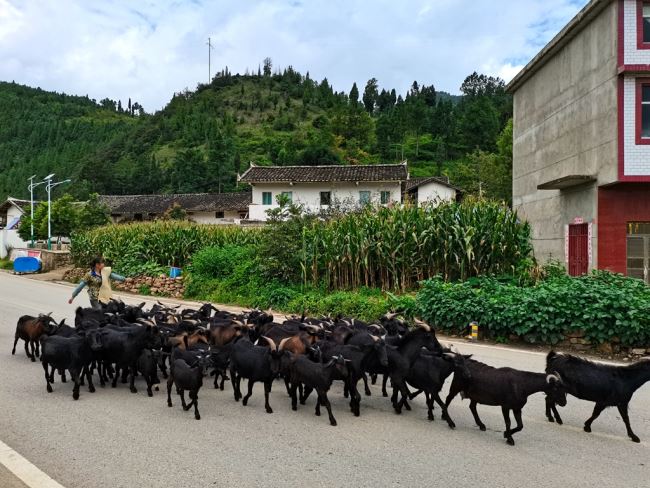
395, 248
603, 305
162, 243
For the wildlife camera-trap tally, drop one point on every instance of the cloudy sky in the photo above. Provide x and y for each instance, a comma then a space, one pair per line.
147, 49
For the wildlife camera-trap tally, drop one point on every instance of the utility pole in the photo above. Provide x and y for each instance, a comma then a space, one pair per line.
49, 184
209, 43
31, 187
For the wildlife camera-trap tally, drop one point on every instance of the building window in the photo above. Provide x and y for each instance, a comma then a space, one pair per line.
364, 197
325, 198
643, 24
267, 198
385, 197
219, 215
288, 195
137, 217
642, 111
638, 250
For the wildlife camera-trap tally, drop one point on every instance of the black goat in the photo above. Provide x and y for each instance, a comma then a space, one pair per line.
186, 377
71, 353
255, 363
317, 376
606, 385
148, 367
505, 387
429, 373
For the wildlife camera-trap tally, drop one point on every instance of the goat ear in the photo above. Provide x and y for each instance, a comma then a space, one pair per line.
468, 356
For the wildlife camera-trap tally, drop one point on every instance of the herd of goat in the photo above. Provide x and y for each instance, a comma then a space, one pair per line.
308, 354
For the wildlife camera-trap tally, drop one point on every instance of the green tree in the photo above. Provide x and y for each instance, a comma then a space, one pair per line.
370, 95
93, 213
354, 95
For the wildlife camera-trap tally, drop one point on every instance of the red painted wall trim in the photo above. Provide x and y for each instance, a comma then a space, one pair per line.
634, 68
620, 51
639, 26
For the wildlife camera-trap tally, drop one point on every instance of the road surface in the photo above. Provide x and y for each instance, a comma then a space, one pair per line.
114, 438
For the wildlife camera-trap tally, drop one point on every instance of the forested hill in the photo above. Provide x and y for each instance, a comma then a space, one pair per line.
203, 138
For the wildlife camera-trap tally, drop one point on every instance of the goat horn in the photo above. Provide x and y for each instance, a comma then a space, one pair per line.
271, 343
551, 377
283, 342
390, 316
375, 338
422, 325
313, 328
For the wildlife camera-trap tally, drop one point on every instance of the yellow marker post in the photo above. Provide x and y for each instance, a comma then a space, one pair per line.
474, 334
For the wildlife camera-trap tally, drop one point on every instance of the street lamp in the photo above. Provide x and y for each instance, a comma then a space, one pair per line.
49, 184
31, 187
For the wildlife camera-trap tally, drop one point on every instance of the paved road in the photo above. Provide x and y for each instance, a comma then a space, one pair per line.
118, 439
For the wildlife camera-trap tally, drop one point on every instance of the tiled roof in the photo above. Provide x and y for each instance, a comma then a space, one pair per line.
414, 183
191, 202
308, 174
21, 204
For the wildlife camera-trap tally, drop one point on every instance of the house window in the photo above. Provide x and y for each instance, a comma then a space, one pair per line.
645, 111
385, 197
364, 197
288, 195
219, 215
642, 111
325, 198
643, 24
137, 217
267, 198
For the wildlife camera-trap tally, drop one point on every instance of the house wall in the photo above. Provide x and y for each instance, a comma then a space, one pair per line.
565, 123
9, 239
308, 194
209, 217
435, 192
13, 212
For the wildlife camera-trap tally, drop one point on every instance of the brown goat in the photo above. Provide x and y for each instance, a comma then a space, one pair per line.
30, 329
220, 335
185, 340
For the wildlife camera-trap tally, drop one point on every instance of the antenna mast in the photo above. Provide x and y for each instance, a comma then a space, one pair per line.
209, 43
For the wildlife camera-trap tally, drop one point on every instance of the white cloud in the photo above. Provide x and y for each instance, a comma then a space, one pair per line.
146, 50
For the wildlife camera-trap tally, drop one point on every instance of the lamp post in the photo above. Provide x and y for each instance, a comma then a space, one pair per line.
49, 184
31, 187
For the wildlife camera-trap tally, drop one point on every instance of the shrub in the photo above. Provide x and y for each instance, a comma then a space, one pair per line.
221, 262
603, 305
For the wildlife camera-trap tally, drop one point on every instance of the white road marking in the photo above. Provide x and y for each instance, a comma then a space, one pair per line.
24, 470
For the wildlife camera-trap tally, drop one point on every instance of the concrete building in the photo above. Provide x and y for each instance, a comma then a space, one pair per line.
204, 208
581, 143
11, 211
431, 190
319, 187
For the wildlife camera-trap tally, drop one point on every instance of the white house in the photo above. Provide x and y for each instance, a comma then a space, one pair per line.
203, 208
319, 187
431, 190
11, 212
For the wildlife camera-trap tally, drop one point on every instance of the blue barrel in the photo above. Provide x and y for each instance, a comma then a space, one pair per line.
175, 272
27, 264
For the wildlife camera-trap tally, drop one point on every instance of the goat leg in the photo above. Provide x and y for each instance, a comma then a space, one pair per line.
507, 433
294, 396
89, 377
74, 373
477, 419
195, 398
170, 380
27, 352
443, 407
47, 378
267, 391
133, 373
235, 386
305, 394
328, 406
37, 344
383, 385
63, 377
367, 391
373, 379
622, 409
244, 401
186, 407
13, 351
429, 402
598, 408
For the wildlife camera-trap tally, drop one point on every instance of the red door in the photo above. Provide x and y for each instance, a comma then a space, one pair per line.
578, 249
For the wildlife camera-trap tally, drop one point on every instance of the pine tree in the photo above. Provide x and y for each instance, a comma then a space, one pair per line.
354, 95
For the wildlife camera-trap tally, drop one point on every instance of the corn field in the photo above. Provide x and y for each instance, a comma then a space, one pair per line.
166, 243
395, 248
